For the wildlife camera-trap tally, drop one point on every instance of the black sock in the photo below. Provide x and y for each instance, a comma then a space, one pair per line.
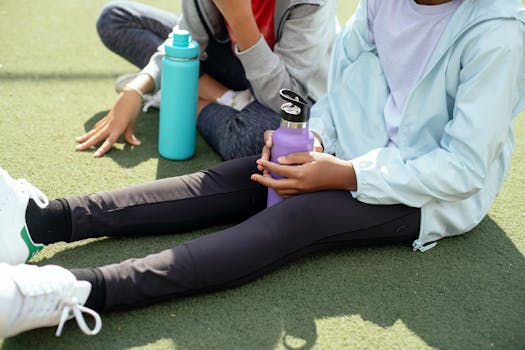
49, 225
97, 297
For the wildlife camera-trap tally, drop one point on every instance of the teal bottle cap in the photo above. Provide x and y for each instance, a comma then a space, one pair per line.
181, 37
182, 46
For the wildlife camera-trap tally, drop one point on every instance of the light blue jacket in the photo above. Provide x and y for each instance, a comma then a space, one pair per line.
456, 135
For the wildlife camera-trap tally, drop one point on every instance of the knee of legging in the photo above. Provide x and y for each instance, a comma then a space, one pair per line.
243, 148
108, 18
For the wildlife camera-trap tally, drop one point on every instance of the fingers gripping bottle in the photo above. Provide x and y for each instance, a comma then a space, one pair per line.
293, 134
178, 97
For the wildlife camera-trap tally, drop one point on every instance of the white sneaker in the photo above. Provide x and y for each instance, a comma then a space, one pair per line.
16, 245
150, 100
34, 297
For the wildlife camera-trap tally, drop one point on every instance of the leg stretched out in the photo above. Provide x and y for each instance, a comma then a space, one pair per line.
299, 225
265, 240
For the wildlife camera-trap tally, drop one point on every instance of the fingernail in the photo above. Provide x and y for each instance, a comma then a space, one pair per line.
281, 159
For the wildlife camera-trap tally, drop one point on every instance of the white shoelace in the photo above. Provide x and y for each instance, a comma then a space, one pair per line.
34, 193
71, 305
78, 309
42, 310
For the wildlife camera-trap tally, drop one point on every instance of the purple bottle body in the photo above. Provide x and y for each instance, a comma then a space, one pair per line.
292, 136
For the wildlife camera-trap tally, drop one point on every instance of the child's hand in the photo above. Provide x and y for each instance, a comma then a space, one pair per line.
266, 151
314, 172
119, 120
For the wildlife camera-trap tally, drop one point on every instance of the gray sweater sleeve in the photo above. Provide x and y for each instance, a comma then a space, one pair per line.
299, 53
153, 68
304, 43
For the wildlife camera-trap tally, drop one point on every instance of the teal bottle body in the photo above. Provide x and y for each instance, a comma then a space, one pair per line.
178, 99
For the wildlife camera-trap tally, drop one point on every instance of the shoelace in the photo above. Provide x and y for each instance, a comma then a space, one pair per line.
34, 193
73, 305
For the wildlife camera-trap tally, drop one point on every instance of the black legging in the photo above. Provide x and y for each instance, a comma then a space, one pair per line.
265, 240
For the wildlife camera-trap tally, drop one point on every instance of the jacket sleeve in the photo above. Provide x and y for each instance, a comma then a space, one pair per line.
296, 56
489, 90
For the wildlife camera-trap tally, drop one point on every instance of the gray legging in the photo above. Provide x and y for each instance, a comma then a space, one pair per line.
266, 238
134, 31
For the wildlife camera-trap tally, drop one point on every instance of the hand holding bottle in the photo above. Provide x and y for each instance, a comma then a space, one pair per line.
266, 151
313, 172
293, 144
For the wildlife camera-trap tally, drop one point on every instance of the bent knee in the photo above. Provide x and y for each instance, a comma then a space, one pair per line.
110, 15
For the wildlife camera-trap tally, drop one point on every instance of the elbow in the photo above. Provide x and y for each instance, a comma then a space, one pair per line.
468, 181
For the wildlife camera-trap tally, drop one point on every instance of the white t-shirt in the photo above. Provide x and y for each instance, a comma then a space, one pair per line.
405, 34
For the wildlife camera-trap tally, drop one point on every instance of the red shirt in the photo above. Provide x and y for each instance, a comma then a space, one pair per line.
263, 11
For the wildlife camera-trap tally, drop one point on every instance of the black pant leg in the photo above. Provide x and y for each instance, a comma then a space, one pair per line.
170, 205
295, 227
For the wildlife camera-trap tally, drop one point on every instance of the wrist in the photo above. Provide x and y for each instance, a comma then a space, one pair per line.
248, 40
135, 90
142, 84
246, 33
351, 178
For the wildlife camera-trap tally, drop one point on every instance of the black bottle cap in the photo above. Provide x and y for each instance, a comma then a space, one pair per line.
296, 109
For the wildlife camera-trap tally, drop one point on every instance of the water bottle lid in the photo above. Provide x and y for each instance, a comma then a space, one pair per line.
181, 37
296, 109
182, 46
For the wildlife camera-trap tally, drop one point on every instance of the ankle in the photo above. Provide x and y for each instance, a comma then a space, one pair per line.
49, 225
97, 297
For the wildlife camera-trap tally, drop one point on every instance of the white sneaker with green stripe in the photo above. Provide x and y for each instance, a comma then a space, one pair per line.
16, 245
34, 297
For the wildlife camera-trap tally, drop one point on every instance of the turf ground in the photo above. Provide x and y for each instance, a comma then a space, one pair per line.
56, 80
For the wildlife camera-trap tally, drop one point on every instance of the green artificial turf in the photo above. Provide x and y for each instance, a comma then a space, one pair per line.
56, 80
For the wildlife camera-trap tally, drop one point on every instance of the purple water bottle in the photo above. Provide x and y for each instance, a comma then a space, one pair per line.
293, 134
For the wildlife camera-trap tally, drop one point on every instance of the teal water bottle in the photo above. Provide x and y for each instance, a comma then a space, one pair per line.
178, 97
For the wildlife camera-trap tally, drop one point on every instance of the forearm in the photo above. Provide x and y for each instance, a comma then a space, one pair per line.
294, 59
267, 74
143, 84
239, 16
246, 31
